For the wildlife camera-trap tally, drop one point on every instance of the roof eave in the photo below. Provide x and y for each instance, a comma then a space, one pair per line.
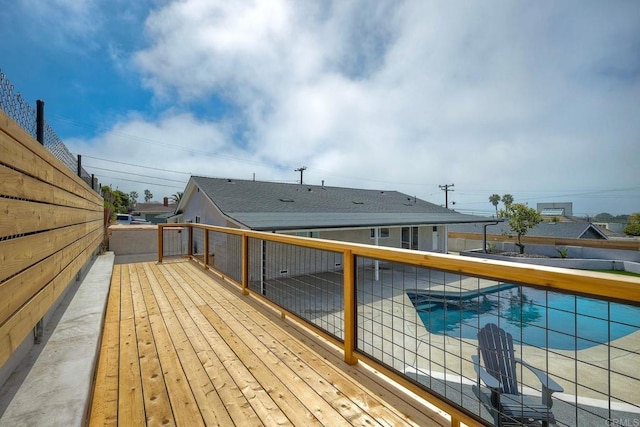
364, 225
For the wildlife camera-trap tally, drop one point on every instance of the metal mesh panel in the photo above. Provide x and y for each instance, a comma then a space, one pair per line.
23, 114
225, 254
305, 281
197, 248
424, 324
16, 107
175, 241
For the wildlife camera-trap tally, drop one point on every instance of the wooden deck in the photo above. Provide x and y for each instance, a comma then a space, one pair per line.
181, 347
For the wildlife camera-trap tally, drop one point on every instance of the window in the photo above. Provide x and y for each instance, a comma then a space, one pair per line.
410, 237
312, 234
198, 220
384, 233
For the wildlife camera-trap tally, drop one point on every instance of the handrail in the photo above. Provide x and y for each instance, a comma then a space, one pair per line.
603, 286
607, 286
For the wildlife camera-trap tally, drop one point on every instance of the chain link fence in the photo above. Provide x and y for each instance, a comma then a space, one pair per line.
15, 106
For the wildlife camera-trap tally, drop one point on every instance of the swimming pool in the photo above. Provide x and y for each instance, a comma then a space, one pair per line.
534, 317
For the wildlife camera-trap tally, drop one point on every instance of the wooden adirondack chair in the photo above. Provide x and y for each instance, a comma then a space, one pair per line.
510, 406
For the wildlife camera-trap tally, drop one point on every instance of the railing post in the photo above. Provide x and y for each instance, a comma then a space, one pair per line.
190, 242
206, 248
349, 308
40, 121
245, 264
79, 165
160, 242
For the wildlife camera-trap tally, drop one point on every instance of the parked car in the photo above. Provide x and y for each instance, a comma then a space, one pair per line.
139, 220
124, 219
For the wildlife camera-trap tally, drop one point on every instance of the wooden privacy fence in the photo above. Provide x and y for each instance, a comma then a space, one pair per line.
51, 223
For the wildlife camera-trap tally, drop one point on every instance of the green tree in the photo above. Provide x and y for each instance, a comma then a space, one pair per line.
147, 196
633, 226
521, 218
134, 198
115, 201
109, 199
507, 199
495, 199
176, 197
604, 217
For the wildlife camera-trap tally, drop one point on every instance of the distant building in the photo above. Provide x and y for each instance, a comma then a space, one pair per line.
384, 218
550, 210
560, 230
614, 227
155, 212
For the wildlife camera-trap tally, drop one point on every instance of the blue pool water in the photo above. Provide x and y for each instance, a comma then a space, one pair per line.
533, 317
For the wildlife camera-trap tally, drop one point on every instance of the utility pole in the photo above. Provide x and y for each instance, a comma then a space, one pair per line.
301, 170
446, 188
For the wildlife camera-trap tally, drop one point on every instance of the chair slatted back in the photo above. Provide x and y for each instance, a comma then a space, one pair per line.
496, 349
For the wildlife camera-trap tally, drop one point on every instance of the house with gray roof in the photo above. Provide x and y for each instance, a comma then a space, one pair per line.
558, 230
381, 217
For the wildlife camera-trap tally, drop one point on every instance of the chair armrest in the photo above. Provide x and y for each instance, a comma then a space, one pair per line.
549, 386
546, 381
485, 376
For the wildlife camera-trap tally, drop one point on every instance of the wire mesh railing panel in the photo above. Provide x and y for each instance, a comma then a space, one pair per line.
175, 241
307, 282
429, 325
197, 243
225, 254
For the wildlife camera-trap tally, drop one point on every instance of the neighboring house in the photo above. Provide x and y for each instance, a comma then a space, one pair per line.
611, 227
385, 218
561, 230
555, 210
155, 212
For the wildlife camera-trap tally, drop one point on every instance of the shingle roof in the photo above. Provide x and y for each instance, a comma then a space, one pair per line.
278, 206
154, 207
568, 230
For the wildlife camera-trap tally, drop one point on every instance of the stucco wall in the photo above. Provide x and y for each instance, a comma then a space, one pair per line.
425, 237
133, 239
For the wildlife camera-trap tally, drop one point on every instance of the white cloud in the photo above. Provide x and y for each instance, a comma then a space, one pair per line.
520, 98
177, 142
69, 24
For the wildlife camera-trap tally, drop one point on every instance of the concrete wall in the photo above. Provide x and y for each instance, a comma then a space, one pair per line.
465, 244
135, 243
576, 263
133, 239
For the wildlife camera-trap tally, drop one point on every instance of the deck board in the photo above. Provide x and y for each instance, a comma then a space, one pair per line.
180, 347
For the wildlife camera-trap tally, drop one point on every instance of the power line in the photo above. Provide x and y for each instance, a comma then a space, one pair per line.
137, 166
143, 182
136, 174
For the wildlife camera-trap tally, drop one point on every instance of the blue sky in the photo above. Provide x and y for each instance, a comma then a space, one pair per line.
537, 99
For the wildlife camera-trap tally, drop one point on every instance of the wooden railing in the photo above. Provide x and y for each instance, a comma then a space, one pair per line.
51, 223
602, 286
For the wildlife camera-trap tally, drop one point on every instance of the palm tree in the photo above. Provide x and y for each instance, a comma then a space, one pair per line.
507, 199
176, 197
495, 199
